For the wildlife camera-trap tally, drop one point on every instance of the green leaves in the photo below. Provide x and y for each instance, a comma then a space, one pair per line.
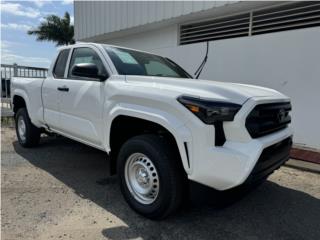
55, 29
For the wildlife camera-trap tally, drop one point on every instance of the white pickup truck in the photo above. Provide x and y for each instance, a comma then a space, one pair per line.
159, 125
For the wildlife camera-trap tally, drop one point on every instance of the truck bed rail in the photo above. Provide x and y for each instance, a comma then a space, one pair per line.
7, 72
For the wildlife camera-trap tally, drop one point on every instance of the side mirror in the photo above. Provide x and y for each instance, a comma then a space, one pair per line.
88, 70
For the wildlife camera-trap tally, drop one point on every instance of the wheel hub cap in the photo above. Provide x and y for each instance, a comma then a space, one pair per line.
142, 178
22, 128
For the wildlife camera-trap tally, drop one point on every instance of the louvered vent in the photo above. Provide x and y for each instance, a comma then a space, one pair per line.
236, 26
289, 16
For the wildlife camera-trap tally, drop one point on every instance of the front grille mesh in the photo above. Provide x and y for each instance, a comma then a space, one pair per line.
268, 118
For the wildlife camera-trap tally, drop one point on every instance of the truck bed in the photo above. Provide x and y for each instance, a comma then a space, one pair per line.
30, 90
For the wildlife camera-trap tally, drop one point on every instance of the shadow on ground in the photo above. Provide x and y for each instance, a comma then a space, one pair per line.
269, 212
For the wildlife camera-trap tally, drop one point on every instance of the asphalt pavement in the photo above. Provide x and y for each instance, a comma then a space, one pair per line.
61, 190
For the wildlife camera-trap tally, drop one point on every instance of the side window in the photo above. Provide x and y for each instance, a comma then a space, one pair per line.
85, 55
60, 66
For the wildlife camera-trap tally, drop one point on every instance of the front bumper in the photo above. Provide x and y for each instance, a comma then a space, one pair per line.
270, 159
241, 159
235, 163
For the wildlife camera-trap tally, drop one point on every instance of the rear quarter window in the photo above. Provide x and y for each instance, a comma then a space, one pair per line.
61, 63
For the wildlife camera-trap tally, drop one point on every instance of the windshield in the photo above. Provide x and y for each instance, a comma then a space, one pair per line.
130, 62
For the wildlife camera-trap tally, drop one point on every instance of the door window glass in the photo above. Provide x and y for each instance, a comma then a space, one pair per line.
85, 55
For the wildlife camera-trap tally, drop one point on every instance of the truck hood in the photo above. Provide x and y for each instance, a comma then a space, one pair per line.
221, 91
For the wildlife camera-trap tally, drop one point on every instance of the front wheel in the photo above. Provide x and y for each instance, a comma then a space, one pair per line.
150, 176
28, 134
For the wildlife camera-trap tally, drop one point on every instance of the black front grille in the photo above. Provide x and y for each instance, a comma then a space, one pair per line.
268, 118
270, 159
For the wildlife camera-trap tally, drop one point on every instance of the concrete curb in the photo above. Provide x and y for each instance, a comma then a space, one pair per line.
303, 165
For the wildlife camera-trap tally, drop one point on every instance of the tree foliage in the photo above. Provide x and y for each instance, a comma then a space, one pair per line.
55, 29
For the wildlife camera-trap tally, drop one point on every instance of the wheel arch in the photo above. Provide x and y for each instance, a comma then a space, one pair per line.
19, 100
149, 117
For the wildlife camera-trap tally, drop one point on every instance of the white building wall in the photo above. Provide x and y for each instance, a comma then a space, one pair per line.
93, 18
287, 61
150, 40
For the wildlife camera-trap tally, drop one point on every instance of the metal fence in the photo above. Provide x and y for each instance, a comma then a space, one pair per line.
14, 70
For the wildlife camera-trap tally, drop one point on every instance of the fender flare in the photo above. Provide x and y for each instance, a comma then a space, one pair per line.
168, 121
23, 95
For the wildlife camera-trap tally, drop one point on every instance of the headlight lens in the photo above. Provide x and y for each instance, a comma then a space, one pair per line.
210, 111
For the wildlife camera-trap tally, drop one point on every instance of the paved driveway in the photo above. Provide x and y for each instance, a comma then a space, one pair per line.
60, 191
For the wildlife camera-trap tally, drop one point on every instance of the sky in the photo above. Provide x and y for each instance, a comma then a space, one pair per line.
19, 16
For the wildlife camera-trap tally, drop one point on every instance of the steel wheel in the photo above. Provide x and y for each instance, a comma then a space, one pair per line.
142, 178
27, 133
22, 128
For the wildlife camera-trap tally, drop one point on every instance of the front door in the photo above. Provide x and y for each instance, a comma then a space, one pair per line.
81, 105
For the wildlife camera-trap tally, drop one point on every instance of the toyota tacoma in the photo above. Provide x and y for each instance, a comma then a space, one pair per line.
160, 126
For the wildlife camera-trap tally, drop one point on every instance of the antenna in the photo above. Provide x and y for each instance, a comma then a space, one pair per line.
203, 63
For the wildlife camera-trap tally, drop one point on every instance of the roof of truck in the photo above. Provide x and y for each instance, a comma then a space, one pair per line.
99, 44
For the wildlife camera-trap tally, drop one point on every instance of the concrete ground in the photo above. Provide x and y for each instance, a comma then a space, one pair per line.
60, 190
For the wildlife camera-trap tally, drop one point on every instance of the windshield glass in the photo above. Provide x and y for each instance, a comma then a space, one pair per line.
130, 62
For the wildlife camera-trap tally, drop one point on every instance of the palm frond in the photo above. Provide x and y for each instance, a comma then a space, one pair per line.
55, 29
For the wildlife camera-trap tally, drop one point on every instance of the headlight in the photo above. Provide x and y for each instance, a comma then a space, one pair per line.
210, 111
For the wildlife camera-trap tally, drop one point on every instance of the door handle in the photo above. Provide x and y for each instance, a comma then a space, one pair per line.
63, 89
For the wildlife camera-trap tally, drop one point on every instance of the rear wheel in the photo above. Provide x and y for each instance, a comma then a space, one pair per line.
150, 176
28, 134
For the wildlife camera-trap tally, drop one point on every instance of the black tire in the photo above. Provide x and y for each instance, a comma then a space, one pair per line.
171, 175
32, 133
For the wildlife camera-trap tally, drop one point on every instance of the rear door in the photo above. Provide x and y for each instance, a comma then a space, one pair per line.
51, 95
81, 107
